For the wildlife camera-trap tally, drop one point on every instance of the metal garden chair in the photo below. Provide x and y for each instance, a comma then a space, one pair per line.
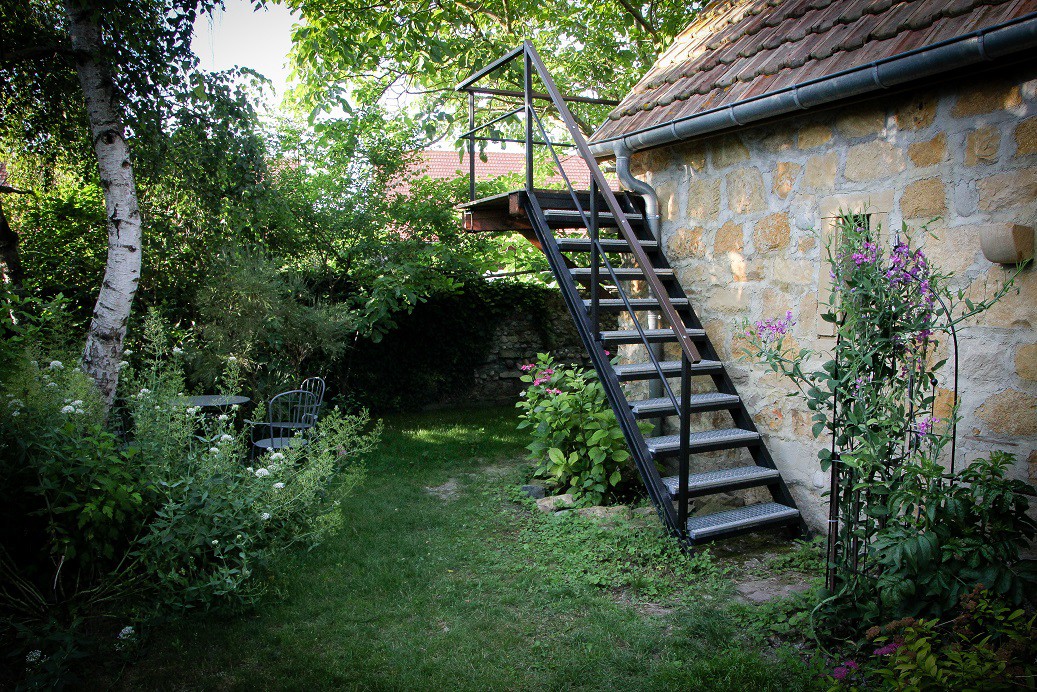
316, 386
290, 415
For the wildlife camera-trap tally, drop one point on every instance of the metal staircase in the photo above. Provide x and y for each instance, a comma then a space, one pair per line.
597, 242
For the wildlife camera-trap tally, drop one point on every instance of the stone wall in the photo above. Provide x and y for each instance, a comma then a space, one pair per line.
744, 224
517, 340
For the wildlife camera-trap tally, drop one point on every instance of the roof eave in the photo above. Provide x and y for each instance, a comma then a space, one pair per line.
983, 45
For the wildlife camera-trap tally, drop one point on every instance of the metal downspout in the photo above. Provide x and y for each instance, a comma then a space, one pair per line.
651, 198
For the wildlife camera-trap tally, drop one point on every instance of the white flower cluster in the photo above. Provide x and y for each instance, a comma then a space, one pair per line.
123, 364
193, 410
226, 438
177, 350
278, 486
127, 632
262, 473
276, 456
265, 516
56, 365
35, 656
74, 407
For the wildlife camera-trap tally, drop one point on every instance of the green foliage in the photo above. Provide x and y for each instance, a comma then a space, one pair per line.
617, 554
347, 53
987, 645
26, 322
925, 535
577, 442
971, 529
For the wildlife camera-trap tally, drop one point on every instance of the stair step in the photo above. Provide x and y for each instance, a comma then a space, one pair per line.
670, 368
706, 441
635, 303
710, 526
566, 218
608, 244
633, 273
709, 401
723, 480
631, 336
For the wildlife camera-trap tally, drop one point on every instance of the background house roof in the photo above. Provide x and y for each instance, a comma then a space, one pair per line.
742, 49
447, 165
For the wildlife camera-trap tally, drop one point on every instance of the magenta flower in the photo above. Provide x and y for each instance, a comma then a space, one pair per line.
527, 367
852, 665
549, 371
608, 353
774, 328
554, 391
539, 381
926, 425
869, 253
887, 649
840, 673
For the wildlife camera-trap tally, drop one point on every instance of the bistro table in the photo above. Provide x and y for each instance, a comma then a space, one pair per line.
214, 400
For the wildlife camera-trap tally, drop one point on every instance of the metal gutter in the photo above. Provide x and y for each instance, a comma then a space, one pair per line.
983, 45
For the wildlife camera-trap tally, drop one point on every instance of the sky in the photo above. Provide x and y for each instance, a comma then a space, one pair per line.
244, 37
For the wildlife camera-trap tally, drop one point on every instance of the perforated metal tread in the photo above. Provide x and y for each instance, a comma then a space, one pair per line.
633, 273
710, 401
710, 526
636, 303
573, 219
670, 368
724, 479
631, 336
608, 244
706, 441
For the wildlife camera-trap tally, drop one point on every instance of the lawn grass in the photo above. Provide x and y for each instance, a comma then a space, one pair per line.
471, 592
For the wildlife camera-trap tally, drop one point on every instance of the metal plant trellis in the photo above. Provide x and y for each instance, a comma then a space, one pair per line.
846, 549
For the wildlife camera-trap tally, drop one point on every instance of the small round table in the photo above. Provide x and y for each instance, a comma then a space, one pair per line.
214, 400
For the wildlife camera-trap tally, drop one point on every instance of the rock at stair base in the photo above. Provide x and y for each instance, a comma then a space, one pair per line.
534, 491
555, 502
601, 512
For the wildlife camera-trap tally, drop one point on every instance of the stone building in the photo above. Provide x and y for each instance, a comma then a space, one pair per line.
765, 118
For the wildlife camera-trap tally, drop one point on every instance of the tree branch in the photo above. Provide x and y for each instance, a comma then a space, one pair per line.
639, 18
37, 53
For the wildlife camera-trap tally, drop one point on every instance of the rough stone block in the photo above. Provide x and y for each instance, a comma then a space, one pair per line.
873, 160
1026, 362
1010, 412
861, 121
1026, 137
981, 146
730, 238
930, 152
745, 191
785, 174
729, 151
686, 242
555, 502
821, 171
990, 97
924, 198
772, 232
703, 199
917, 113
1017, 310
1009, 189
814, 135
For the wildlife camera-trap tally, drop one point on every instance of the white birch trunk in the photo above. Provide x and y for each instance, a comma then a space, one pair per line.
122, 272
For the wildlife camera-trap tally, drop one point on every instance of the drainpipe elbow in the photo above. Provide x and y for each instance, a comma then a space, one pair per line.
647, 192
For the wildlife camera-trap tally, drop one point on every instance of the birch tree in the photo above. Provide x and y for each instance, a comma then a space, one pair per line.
104, 339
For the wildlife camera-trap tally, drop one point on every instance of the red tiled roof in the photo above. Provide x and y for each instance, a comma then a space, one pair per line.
447, 165
739, 49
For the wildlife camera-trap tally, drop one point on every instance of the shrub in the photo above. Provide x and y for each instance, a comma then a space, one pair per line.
577, 442
987, 645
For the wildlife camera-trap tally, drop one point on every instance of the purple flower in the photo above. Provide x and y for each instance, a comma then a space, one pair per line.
840, 673
926, 425
527, 367
869, 253
852, 665
887, 649
774, 328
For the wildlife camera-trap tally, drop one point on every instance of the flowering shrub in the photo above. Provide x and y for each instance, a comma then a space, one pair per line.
156, 509
577, 442
911, 536
987, 645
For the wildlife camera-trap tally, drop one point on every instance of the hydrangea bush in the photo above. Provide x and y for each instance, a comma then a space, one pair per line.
911, 536
577, 442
